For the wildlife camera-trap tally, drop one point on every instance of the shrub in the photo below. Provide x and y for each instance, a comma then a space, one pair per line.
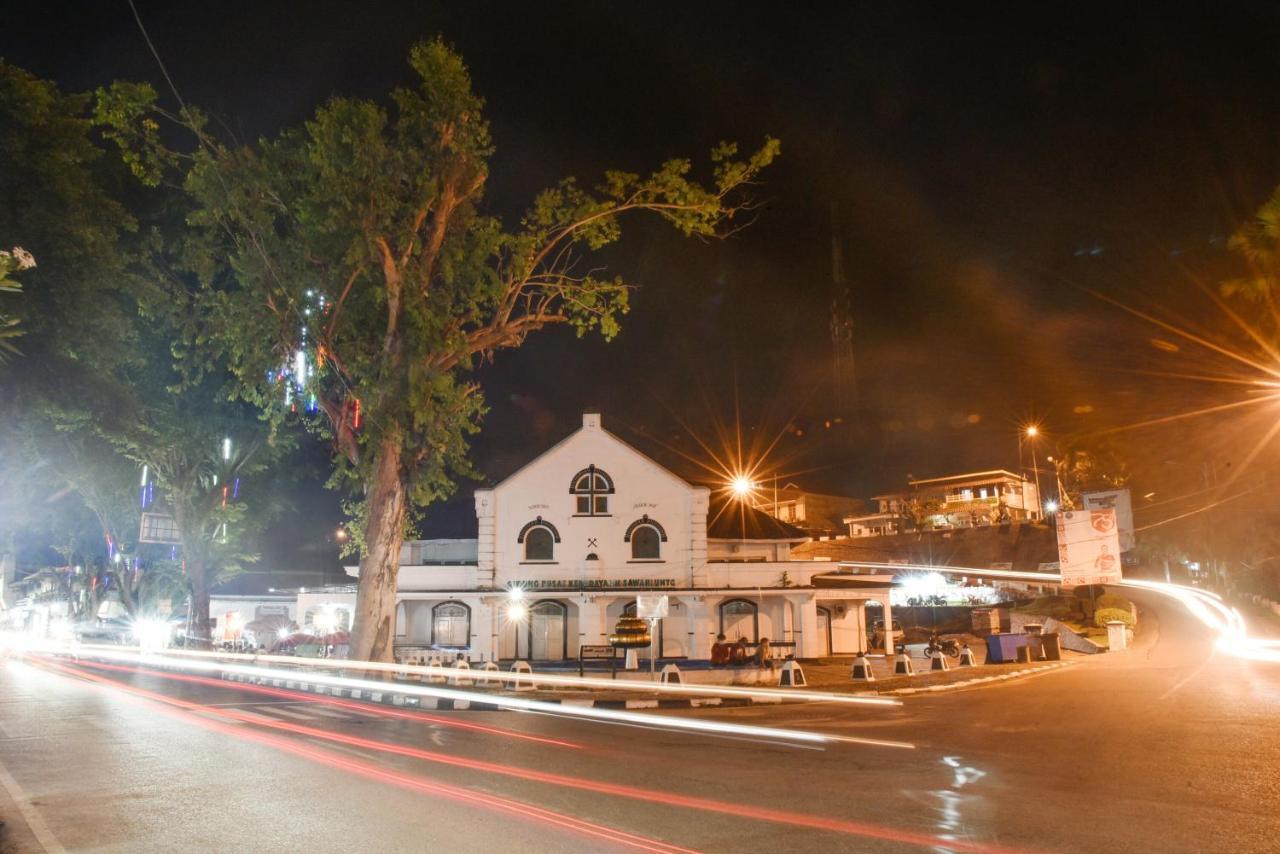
1114, 600
1102, 616
1058, 607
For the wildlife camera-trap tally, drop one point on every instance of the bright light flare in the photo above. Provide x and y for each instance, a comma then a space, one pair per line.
151, 634
741, 486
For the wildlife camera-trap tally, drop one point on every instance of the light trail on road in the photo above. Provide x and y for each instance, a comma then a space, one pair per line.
546, 678
1232, 630
737, 810
601, 715
363, 708
194, 713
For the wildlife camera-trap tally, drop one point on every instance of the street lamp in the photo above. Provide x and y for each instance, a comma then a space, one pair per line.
1031, 432
741, 486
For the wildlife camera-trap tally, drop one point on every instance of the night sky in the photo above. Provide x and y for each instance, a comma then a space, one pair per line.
987, 168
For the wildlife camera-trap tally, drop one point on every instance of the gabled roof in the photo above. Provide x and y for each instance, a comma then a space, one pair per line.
591, 424
731, 519
973, 475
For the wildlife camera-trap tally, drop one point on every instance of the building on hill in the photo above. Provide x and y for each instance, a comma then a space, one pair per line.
565, 545
957, 501
817, 514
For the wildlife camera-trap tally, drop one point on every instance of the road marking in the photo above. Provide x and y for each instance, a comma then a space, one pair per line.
32, 816
1167, 694
290, 713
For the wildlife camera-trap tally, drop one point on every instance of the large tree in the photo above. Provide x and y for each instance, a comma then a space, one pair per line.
102, 390
350, 268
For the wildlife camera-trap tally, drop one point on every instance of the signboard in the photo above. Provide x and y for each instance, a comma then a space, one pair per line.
1088, 547
596, 583
587, 651
1118, 500
651, 607
159, 528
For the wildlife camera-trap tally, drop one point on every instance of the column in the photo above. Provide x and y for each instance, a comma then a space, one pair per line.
888, 626
481, 641
808, 643
702, 624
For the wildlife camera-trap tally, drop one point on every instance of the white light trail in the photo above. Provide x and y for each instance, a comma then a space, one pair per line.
1208, 608
549, 679
697, 725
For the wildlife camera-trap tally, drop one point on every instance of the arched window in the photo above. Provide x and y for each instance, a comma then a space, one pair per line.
592, 487
739, 618
539, 540
451, 625
646, 537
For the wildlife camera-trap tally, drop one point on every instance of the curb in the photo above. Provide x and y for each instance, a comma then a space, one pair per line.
391, 697
951, 686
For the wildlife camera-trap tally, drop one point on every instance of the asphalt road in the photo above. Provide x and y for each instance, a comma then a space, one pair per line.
1167, 747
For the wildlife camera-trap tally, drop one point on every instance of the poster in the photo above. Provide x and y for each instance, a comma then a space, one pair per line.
1088, 547
1118, 500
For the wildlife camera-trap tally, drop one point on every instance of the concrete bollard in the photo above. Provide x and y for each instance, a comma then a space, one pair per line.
433, 678
488, 669
791, 676
670, 675
463, 681
520, 684
939, 661
902, 665
1024, 654
966, 657
1117, 637
861, 671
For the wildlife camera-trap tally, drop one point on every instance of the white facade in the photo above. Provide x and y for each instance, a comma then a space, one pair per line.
584, 528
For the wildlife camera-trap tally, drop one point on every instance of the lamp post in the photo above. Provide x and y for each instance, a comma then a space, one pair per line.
1031, 433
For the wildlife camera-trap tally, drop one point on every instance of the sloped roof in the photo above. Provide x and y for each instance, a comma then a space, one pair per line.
731, 519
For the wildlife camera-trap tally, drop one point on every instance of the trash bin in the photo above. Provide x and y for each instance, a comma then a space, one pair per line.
1051, 646
1002, 648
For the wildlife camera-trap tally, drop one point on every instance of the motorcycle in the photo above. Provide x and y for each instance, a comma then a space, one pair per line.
945, 646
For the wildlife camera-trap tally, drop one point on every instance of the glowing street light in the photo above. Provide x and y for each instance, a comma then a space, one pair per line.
741, 486
1032, 431
1051, 507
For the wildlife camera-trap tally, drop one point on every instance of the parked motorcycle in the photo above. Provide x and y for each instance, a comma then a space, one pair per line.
946, 646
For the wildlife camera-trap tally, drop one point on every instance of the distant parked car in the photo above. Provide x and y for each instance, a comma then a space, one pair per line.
105, 631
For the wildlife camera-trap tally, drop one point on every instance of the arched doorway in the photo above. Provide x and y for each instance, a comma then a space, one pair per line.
824, 631
740, 618
548, 627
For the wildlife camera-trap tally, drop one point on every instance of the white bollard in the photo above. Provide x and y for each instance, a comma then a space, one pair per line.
861, 671
488, 669
966, 657
463, 681
1117, 639
436, 679
902, 665
520, 684
670, 674
939, 662
791, 676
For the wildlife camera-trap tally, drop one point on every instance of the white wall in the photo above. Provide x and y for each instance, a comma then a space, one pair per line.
541, 489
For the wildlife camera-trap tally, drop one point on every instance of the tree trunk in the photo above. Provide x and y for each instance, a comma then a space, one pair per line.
373, 632
200, 627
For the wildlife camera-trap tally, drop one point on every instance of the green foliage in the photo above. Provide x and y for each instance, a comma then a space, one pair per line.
377, 209
1106, 615
1058, 607
1113, 600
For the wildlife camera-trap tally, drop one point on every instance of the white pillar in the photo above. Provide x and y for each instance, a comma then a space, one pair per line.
808, 643
481, 640
702, 625
888, 626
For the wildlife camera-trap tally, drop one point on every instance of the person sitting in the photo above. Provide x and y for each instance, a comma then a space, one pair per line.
764, 654
719, 652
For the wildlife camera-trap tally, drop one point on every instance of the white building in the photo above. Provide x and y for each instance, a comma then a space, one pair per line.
584, 528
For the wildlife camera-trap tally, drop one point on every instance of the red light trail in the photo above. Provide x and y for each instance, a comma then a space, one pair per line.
737, 810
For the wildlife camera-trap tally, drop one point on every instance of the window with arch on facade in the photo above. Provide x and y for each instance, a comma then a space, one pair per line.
539, 539
646, 538
592, 488
739, 618
451, 625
